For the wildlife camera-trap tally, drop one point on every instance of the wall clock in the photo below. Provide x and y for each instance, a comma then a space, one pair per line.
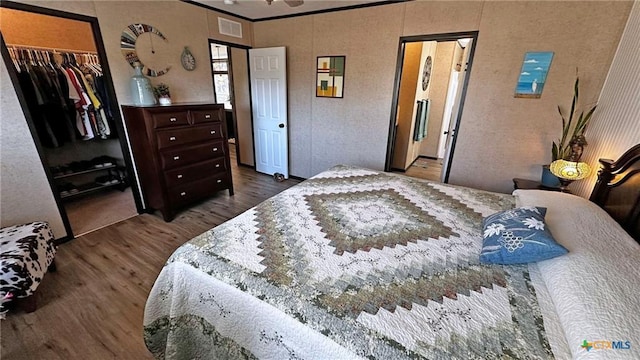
426, 73
131, 35
187, 59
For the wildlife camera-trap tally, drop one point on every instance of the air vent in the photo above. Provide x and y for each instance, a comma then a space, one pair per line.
229, 27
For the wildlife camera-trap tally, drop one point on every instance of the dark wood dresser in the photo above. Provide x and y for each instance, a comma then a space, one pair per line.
181, 153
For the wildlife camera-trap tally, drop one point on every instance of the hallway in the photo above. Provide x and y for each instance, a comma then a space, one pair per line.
425, 168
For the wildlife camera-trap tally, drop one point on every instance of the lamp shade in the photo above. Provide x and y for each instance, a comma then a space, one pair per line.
570, 170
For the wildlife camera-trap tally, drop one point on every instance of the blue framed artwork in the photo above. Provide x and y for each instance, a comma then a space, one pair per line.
533, 74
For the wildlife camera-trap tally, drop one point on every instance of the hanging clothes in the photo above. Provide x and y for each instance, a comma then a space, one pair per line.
67, 100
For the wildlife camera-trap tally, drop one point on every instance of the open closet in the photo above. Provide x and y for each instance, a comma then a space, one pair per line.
69, 101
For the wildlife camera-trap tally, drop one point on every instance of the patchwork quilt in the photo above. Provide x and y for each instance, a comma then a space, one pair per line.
351, 263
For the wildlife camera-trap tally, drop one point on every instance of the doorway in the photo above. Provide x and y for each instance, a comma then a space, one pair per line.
431, 81
58, 67
230, 77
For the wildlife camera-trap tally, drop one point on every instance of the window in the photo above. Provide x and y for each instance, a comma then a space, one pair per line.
220, 66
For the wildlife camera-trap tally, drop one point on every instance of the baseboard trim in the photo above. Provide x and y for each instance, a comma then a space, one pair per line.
62, 240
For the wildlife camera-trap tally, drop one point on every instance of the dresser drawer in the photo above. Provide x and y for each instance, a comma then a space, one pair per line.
196, 190
173, 137
204, 116
174, 118
190, 173
173, 158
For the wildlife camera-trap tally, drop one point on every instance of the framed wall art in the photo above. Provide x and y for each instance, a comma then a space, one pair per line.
330, 76
533, 74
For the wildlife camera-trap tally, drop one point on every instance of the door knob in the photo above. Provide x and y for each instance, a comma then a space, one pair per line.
446, 132
281, 126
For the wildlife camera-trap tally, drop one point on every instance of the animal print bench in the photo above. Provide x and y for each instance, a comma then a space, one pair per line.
27, 251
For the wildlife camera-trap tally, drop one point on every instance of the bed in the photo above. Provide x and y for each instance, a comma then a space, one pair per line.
355, 264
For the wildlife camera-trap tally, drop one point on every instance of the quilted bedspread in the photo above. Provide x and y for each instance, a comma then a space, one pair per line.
352, 263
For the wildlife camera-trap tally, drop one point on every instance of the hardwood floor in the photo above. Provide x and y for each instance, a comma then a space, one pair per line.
425, 168
92, 307
112, 206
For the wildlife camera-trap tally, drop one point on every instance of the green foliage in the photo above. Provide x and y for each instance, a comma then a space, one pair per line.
161, 90
562, 149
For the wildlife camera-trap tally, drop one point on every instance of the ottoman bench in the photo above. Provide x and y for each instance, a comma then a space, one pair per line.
26, 253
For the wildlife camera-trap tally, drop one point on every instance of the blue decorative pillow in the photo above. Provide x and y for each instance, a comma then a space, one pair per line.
518, 236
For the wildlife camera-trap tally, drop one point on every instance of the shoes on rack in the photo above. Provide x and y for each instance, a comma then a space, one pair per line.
103, 161
107, 180
67, 189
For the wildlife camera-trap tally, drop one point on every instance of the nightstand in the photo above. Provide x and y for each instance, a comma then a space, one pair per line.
532, 184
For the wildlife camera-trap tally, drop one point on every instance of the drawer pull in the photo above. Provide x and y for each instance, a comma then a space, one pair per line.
215, 149
179, 176
218, 181
217, 165
183, 193
173, 119
207, 116
213, 132
176, 158
173, 138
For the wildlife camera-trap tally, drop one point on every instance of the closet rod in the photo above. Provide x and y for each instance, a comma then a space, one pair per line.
29, 47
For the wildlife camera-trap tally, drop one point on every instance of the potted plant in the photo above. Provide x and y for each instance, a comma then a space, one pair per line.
162, 93
573, 127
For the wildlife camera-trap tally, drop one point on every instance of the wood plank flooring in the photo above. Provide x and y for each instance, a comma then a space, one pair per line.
112, 206
92, 307
425, 168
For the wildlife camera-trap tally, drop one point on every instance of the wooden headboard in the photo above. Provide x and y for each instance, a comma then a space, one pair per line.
617, 190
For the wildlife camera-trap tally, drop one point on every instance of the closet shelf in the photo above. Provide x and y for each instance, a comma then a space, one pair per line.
85, 171
87, 188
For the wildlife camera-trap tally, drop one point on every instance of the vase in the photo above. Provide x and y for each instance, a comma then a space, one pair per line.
548, 179
141, 89
164, 100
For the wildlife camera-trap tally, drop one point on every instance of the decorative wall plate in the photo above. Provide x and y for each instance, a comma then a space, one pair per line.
426, 73
187, 59
128, 46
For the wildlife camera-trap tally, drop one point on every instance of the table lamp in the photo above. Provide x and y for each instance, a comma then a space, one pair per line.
569, 171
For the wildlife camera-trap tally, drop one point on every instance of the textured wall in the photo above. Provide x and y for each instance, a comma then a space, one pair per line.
81, 7
242, 95
615, 126
500, 137
181, 23
25, 195
297, 35
325, 131
214, 29
406, 105
428, 49
439, 85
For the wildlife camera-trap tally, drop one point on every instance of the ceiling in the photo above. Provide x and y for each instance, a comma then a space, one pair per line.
261, 10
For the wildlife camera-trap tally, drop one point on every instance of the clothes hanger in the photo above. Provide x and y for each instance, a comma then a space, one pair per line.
14, 59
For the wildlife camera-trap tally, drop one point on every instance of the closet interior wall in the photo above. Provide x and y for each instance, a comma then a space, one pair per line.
61, 78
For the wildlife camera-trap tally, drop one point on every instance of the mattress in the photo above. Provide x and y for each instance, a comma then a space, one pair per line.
355, 263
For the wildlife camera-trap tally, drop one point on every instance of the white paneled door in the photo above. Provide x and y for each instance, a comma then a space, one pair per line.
269, 107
